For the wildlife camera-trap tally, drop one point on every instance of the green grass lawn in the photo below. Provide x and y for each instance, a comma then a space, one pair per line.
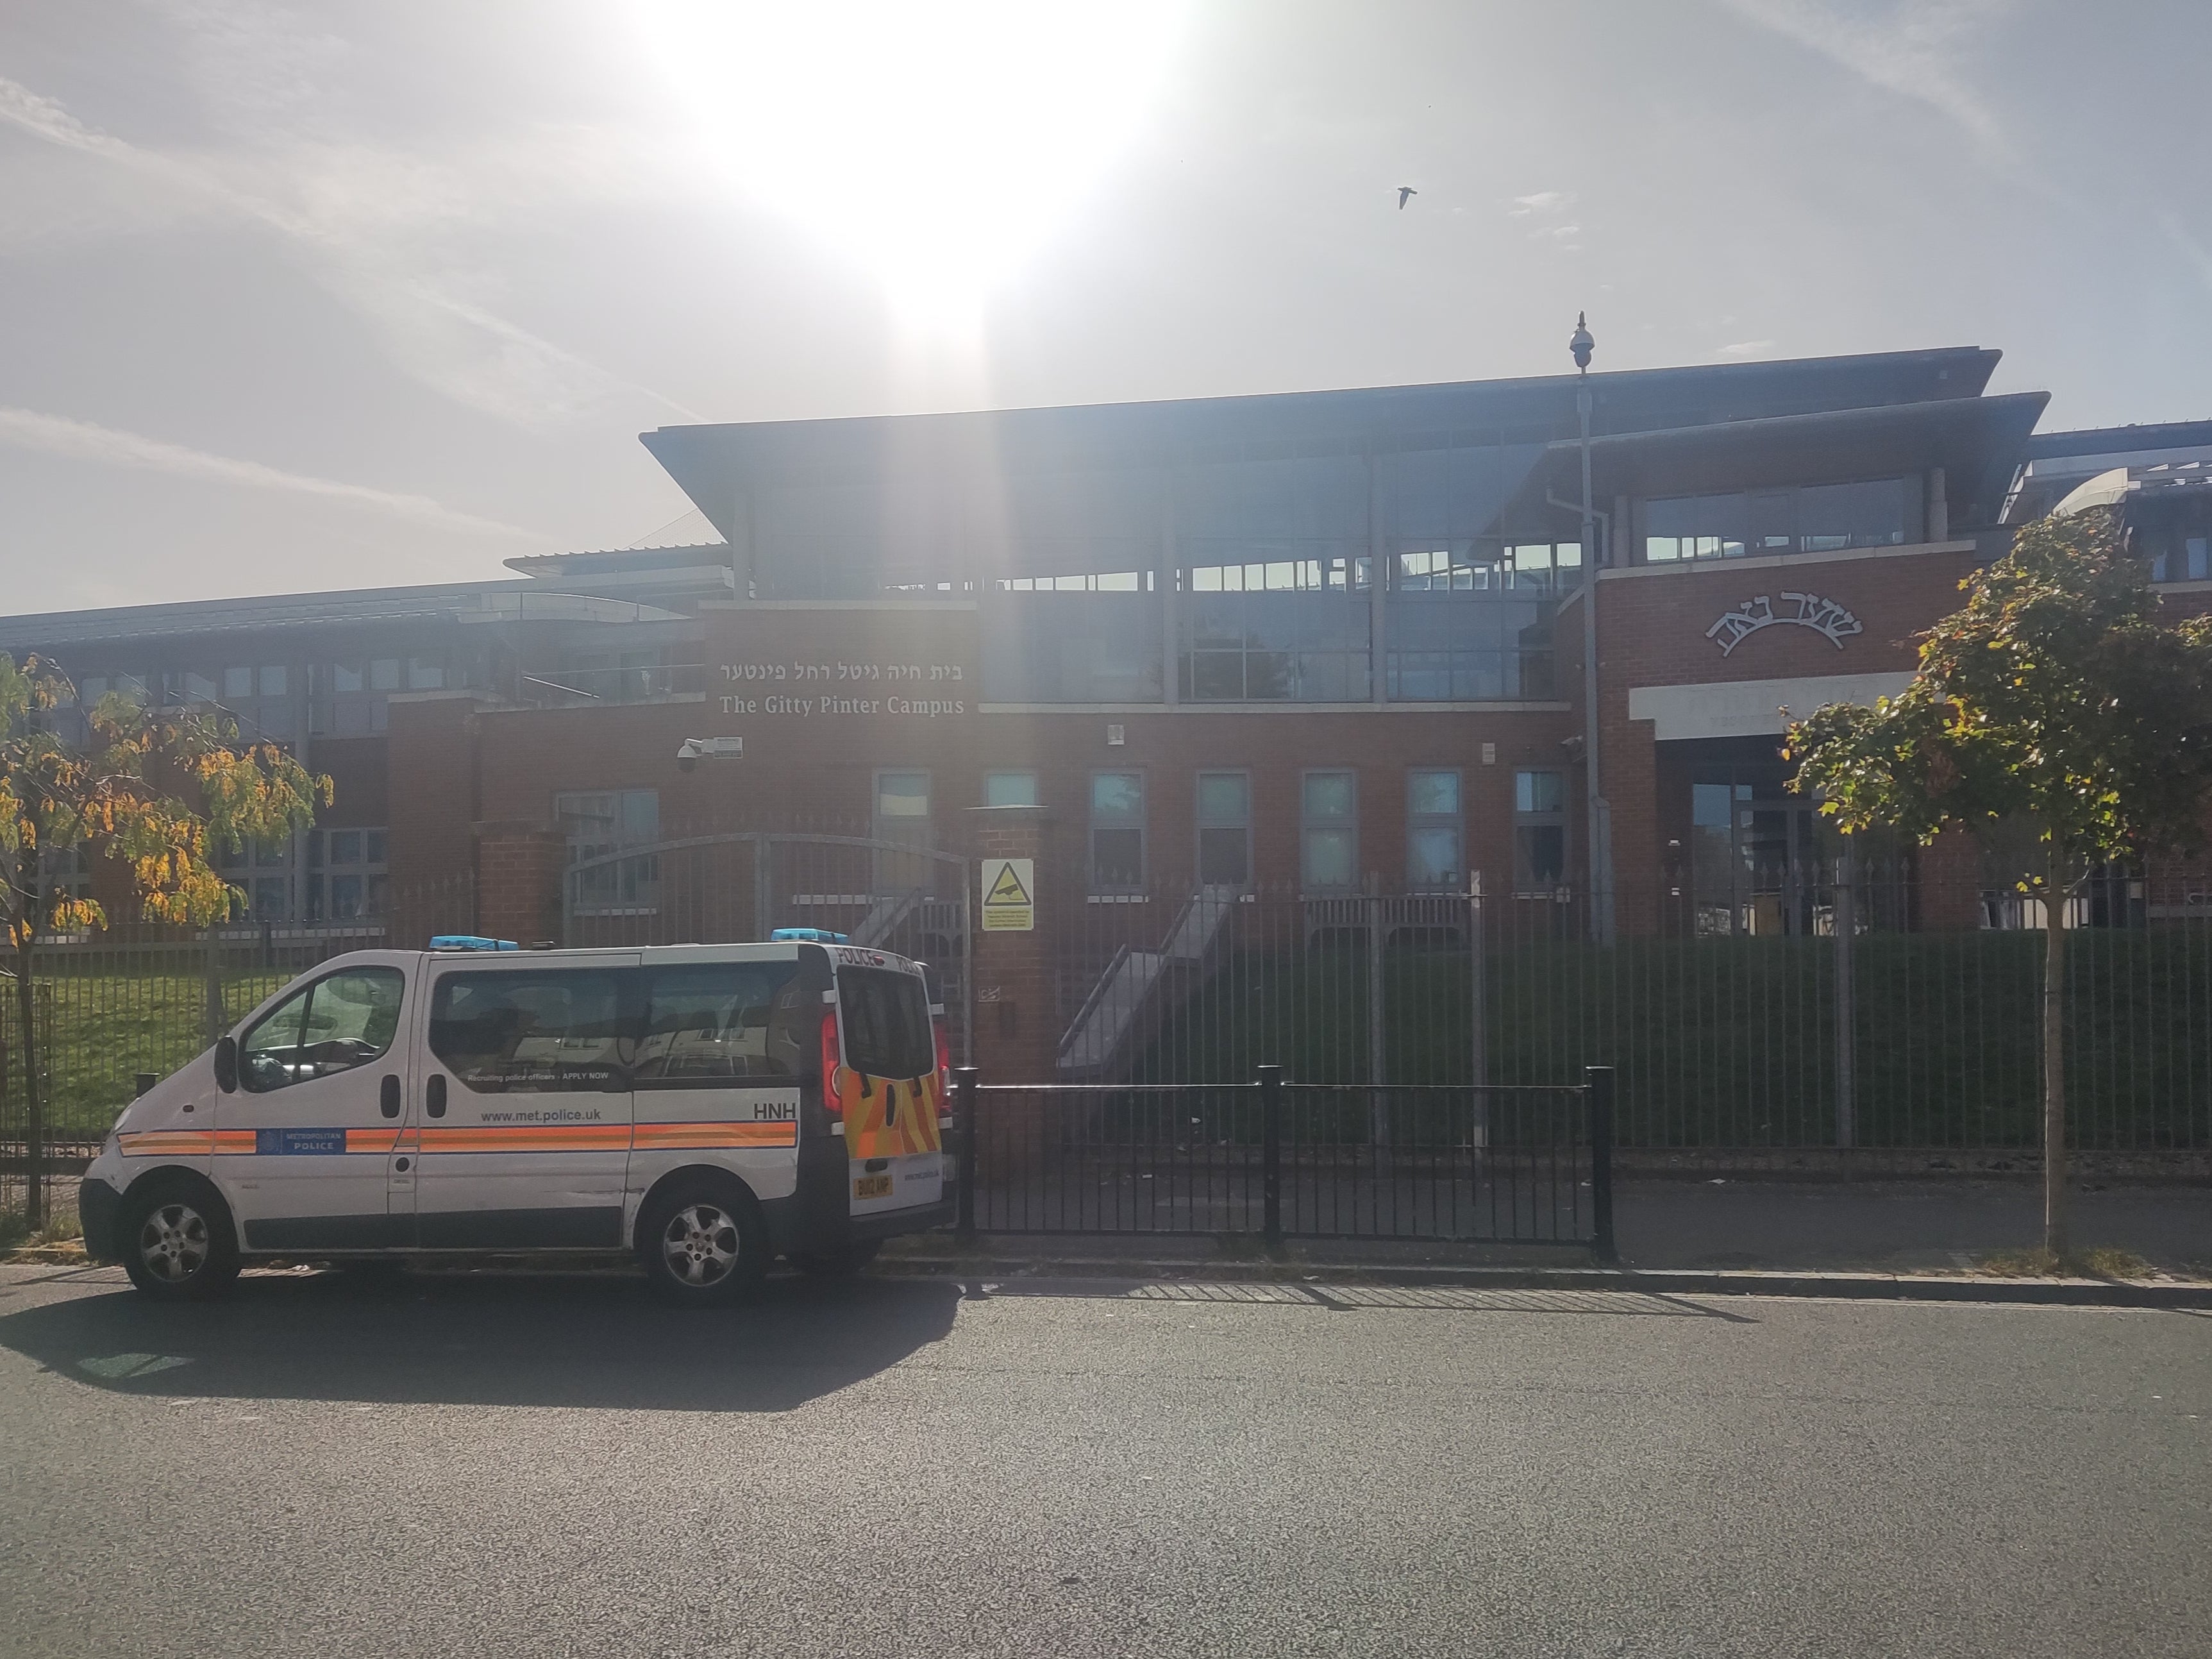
99, 1031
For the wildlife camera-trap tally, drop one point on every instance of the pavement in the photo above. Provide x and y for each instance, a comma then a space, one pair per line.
1890, 1237
546, 1464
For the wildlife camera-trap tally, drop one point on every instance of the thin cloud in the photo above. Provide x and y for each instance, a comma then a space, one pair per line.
461, 348
2192, 250
1745, 349
81, 441
1543, 204
1911, 50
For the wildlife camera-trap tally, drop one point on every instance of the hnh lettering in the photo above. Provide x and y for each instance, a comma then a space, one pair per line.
1824, 616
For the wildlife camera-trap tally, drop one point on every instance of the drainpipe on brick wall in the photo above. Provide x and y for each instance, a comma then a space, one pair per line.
1599, 827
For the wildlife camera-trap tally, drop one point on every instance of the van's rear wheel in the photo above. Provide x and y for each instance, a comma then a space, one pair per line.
838, 1263
177, 1239
702, 1242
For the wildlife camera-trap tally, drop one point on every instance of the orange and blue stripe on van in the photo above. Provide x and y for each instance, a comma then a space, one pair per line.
722, 1136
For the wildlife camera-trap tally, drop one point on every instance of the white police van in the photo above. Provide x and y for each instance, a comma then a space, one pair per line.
709, 1107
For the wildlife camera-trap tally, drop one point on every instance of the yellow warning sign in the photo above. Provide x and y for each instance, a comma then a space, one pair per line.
1009, 895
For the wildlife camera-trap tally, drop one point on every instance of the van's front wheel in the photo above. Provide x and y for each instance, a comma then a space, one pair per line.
702, 1242
178, 1243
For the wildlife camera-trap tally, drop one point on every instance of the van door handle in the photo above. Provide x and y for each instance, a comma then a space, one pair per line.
434, 1097
387, 1100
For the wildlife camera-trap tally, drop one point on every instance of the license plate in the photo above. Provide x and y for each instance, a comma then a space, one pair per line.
872, 1187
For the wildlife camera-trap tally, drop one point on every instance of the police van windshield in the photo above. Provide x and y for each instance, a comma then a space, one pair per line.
887, 1032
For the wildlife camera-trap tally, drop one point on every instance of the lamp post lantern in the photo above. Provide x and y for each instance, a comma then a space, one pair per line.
1598, 826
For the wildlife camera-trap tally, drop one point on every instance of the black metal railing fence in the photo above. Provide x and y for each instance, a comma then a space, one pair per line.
1275, 1160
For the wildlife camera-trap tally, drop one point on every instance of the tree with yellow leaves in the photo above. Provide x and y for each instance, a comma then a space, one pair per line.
155, 791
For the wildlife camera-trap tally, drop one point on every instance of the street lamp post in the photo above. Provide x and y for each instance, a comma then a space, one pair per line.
1598, 826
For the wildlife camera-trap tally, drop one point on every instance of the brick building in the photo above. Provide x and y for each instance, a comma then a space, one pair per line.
1327, 643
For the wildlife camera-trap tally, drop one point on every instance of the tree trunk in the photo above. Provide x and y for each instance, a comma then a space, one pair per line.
35, 1101
2055, 894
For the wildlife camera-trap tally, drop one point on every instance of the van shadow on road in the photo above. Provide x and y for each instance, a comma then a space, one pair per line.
488, 1340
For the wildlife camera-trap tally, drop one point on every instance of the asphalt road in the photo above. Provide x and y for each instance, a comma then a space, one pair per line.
556, 1465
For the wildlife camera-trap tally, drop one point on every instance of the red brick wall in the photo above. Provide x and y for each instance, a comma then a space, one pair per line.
432, 755
822, 767
519, 882
1652, 631
1017, 1028
359, 771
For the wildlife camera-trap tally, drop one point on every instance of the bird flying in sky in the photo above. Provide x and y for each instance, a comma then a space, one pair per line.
1404, 190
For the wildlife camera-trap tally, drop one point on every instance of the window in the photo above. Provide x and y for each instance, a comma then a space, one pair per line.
1010, 789
384, 674
335, 1025
237, 683
1294, 629
902, 807
1040, 645
270, 680
529, 1032
606, 824
2193, 564
1539, 831
1117, 832
1225, 829
1328, 844
426, 673
1433, 832
885, 1016
347, 874
719, 1021
1813, 519
181, 686
1463, 648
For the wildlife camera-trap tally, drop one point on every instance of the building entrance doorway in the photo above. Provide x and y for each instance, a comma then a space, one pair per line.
1761, 857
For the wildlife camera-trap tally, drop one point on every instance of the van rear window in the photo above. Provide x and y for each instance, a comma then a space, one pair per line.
887, 1031
711, 1022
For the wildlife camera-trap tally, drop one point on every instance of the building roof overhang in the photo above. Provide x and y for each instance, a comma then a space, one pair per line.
1976, 440
715, 465
519, 600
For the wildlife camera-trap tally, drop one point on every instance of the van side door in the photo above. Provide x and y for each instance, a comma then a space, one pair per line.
525, 1125
305, 1145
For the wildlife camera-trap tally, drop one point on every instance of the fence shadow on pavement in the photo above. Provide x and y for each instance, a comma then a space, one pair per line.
488, 1339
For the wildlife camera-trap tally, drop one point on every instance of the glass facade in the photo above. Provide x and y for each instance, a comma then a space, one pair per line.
1813, 519
1291, 630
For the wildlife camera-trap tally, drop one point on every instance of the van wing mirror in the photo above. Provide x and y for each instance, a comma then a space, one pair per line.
226, 1064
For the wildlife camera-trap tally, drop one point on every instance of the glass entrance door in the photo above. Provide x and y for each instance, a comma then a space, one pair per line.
1759, 856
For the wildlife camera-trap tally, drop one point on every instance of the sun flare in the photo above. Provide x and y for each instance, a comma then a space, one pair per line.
937, 145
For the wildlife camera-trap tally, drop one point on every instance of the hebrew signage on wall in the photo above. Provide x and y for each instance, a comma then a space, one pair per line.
1824, 616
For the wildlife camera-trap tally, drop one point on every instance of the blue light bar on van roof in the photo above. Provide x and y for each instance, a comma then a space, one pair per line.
470, 942
806, 936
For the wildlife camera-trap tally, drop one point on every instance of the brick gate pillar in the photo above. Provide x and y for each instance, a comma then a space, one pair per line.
518, 866
1016, 1023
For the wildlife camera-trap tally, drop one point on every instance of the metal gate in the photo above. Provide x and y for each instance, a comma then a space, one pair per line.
738, 885
1494, 1164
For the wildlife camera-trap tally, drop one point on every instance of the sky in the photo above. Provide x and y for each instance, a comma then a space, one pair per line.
314, 296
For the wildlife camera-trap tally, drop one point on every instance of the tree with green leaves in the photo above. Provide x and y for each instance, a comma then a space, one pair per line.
2057, 699
154, 792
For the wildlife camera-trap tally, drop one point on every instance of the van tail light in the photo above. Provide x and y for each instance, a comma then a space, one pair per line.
944, 1065
829, 1060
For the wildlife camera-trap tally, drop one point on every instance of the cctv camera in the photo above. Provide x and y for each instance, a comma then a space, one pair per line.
687, 754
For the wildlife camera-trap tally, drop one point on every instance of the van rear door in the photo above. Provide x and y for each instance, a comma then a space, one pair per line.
889, 1087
